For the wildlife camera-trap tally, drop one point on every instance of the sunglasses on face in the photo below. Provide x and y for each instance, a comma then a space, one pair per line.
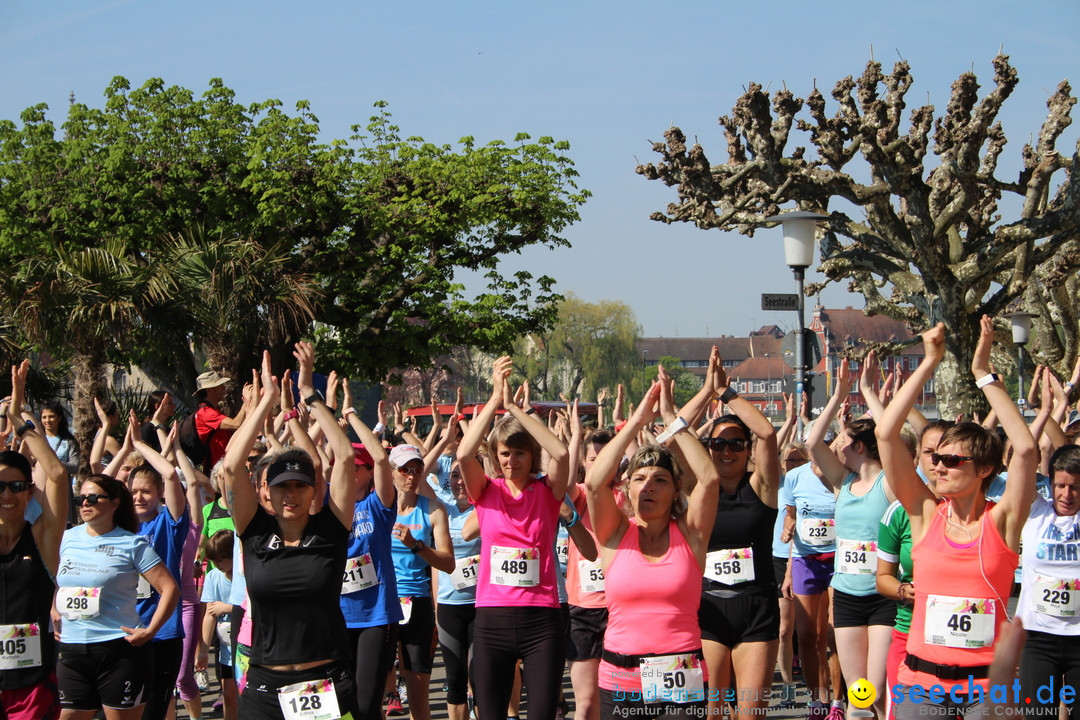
718, 444
406, 470
15, 486
949, 461
92, 499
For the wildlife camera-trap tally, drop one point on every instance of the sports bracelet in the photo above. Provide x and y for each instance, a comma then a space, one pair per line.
348, 411
674, 429
987, 380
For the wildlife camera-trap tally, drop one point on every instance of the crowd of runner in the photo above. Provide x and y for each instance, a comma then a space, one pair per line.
672, 558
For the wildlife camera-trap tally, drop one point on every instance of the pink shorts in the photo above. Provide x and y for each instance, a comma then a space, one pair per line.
33, 702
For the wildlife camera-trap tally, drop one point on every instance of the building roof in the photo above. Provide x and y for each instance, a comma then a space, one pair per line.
761, 368
853, 327
732, 349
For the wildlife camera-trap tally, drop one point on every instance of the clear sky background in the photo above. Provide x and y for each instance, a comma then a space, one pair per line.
609, 76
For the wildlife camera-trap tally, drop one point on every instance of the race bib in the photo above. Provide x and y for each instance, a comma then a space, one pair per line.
224, 633
315, 700
78, 603
143, 589
465, 573
730, 566
406, 610
959, 622
672, 678
562, 550
856, 557
359, 574
590, 576
1057, 597
819, 532
515, 567
20, 646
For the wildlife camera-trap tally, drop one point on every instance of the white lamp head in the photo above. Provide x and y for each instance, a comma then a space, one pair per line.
1021, 326
800, 229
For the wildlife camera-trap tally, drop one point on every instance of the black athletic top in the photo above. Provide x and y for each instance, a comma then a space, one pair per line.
294, 592
26, 596
744, 521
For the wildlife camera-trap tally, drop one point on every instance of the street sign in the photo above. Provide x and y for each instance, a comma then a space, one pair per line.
779, 301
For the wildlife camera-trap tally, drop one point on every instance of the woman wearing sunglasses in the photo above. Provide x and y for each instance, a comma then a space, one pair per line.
29, 560
740, 614
964, 546
104, 655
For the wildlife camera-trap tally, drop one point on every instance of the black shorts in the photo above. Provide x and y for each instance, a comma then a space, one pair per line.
259, 701
585, 639
779, 568
740, 619
862, 610
224, 672
112, 674
418, 637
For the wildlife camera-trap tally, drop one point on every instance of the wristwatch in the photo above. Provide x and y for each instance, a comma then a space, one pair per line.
418, 546
728, 395
314, 397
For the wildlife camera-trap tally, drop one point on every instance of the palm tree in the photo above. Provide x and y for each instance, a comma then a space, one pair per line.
240, 296
85, 305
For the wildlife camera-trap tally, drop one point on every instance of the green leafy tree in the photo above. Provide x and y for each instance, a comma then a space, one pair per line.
929, 241
382, 227
420, 213
590, 346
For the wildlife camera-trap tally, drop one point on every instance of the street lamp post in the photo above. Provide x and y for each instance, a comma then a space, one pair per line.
1021, 331
800, 229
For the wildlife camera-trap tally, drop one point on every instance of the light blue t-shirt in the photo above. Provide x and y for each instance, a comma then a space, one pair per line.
440, 480
238, 588
815, 509
780, 549
111, 564
462, 549
217, 588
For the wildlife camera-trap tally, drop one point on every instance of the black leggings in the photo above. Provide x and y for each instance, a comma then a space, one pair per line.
167, 657
504, 635
374, 649
456, 637
1046, 659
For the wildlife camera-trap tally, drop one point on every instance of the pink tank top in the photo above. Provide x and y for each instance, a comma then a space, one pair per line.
574, 594
517, 530
652, 606
957, 587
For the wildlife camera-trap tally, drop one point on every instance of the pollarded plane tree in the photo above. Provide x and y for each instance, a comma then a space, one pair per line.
931, 243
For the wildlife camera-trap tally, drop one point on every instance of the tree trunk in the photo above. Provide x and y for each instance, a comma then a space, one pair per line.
88, 369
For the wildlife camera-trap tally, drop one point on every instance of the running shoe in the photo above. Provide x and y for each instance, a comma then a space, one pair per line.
202, 679
836, 712
402, 690
393, 705
787, 696
817, 711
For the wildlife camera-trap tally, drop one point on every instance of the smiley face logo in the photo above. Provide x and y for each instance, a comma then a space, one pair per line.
862, 693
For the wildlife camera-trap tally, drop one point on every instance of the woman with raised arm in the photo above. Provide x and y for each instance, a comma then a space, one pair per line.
369, 594
964, 546
653, 562
29, 560
740, 614
518, 510
294, 561
104, 659
862, 619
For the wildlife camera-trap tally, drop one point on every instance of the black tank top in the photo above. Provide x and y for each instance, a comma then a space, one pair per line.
26, 595
742, 520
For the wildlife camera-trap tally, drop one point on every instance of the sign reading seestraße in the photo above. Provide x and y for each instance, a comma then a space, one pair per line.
779, 301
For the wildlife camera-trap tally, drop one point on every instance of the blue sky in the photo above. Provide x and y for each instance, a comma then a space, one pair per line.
608, 76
